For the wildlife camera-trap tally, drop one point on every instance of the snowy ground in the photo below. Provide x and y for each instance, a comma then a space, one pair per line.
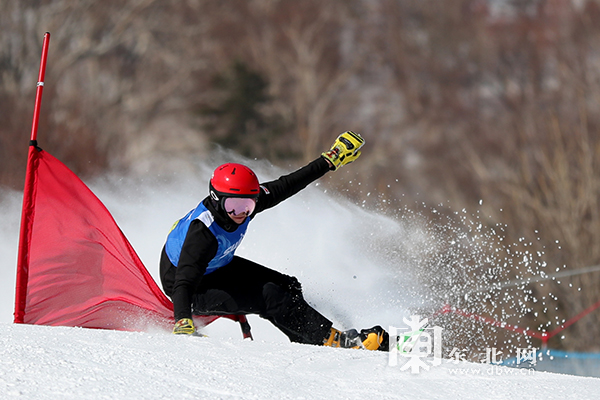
70, 363
347, 276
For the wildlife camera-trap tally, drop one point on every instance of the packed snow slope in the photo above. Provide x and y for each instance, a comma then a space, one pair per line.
39, 362
345, 257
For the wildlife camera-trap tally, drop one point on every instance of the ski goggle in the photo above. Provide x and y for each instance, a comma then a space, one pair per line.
239, 205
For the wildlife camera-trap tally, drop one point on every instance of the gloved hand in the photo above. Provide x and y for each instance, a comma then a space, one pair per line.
185, 326
345, 149
293, 285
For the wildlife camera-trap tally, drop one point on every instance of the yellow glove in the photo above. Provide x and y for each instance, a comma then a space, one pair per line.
345, 149
185, 326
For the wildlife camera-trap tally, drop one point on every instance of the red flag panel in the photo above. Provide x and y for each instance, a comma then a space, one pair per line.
77, 267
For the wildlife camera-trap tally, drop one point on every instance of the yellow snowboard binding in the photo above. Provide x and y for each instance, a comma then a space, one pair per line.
369, 339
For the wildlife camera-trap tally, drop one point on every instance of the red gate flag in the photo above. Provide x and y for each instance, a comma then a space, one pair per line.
76, 268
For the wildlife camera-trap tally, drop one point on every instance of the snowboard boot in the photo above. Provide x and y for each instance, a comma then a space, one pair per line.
370, 339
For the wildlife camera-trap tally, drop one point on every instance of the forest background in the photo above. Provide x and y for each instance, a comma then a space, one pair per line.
465, 104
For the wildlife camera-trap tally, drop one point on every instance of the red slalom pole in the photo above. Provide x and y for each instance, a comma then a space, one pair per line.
40, 87
27, 213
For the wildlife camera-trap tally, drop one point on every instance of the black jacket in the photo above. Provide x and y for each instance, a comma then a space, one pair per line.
200, 245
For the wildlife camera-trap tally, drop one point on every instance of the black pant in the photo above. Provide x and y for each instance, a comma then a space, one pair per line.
245, 287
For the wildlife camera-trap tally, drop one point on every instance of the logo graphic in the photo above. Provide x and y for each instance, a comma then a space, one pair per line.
417, 346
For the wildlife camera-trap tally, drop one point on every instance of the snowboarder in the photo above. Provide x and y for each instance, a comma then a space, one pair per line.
201, 274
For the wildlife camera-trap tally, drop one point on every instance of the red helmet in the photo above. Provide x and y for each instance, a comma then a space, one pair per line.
233, 180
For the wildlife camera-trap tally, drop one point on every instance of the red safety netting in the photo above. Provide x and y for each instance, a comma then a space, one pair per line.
543, 336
